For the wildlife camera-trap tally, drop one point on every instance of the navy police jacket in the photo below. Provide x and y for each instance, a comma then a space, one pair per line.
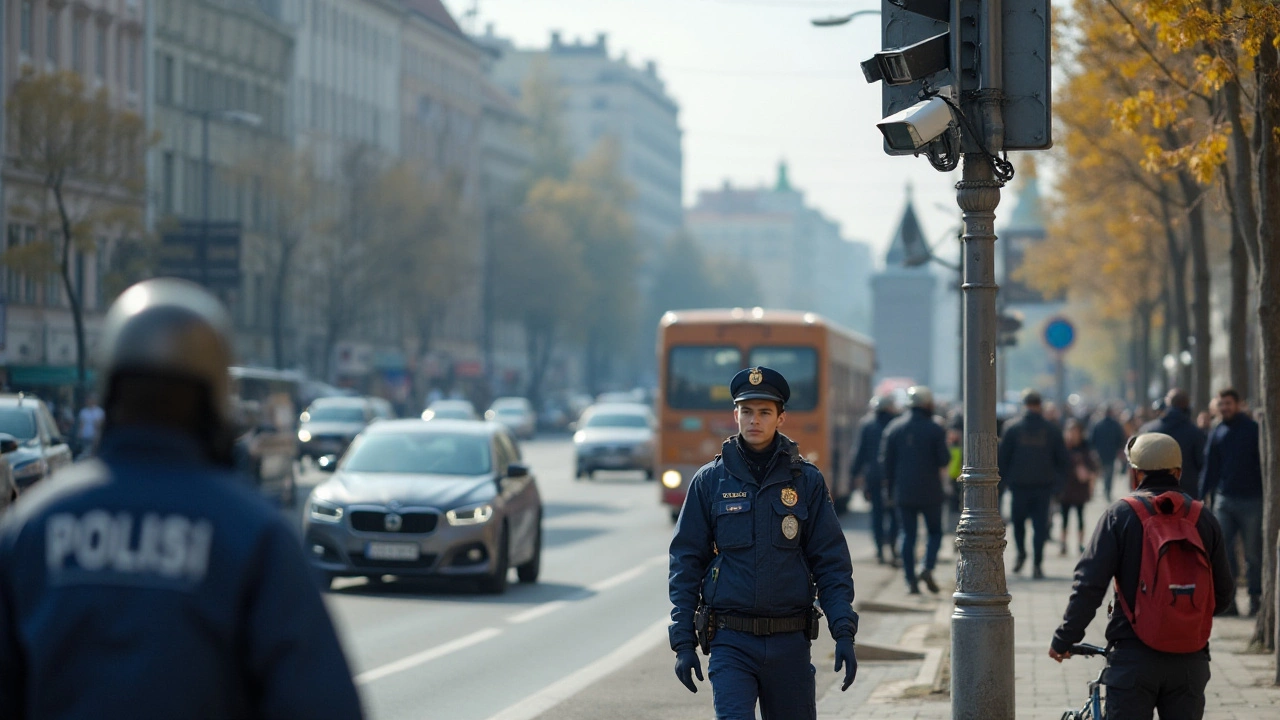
866, 459
759, 549
152, 584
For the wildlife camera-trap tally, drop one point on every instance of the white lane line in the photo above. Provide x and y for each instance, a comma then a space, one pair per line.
427, 656
551, 606
571, 685
537, 611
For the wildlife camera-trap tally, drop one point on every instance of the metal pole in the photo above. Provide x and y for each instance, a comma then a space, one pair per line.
203, 254
1060, 380
982, 685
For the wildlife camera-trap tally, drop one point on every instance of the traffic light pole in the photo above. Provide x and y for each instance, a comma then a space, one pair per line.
982, 670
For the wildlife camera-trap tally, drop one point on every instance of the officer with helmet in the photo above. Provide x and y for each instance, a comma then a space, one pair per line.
151, 582
914, 455
757, 537
866, 462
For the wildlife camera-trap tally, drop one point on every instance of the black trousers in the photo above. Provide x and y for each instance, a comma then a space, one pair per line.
1141, 681
1031, 503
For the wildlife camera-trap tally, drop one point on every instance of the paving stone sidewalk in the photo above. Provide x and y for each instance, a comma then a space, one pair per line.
1240, 689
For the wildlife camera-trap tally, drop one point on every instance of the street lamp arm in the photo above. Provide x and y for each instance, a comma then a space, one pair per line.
836, 20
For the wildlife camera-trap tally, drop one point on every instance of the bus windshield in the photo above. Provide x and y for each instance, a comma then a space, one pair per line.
799, 365
698, 377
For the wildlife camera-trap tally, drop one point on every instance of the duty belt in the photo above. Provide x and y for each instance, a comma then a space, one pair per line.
763, 625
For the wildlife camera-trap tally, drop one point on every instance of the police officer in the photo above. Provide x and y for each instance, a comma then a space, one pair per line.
914, 454
866, 462
152, 583
1140, 679
757, 536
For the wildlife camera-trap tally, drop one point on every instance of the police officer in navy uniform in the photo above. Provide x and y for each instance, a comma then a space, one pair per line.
756, 539
151, 582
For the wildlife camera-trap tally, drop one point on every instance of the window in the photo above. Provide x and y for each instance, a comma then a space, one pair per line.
698, 377
24, 28
131, 66
77, 45
166, 79
167, 183
799, 365
29, 290
100, 52
51, 36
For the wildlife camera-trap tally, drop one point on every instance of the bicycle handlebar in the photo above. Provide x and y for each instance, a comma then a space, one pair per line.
1088, 650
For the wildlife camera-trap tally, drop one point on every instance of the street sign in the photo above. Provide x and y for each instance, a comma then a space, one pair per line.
1059, 334
206, 255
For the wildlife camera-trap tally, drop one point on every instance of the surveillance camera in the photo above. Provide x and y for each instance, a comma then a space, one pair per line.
903, 65
917, 126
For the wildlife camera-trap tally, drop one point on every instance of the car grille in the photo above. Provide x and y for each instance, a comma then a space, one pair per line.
423, 562
412, 522
614, 450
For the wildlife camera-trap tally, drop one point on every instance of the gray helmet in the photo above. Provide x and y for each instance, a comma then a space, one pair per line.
919, 396
882, 403
172, 328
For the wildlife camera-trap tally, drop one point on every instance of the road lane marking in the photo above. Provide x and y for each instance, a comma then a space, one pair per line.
571, 685
427, 656
551, 606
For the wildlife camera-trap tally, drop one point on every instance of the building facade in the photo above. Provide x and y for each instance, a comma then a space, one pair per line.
102, 41
798, 257
221, 78
603, 97
904, 304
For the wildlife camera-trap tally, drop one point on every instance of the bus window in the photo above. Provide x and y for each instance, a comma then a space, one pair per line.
799, 365
698, 377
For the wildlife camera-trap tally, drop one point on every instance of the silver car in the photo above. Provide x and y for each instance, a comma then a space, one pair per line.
444, 498
614, 436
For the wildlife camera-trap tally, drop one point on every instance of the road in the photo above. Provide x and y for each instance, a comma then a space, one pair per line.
435, 651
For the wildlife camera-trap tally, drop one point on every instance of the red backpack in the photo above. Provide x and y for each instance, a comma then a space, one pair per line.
1173, 608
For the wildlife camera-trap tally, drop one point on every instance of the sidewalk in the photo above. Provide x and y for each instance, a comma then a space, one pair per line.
1240, 688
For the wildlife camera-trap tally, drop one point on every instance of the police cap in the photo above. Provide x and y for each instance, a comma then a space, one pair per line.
760, 383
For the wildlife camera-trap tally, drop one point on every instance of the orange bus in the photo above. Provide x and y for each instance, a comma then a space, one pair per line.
828, 368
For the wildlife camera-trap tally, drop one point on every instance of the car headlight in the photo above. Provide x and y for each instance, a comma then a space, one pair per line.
29, 470
304, 436
580, 437
325, 512
671, 479
428, 414
475, 515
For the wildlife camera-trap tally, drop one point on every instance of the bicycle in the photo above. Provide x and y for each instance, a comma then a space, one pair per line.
1092, 709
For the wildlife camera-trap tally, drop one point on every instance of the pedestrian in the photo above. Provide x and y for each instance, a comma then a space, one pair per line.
1232, 484
1107, 437
1078, 488
915, 457
1176, 422
955, 445
151, 582
1159, 656
1033, 466
87, 428
866, 462
757, 536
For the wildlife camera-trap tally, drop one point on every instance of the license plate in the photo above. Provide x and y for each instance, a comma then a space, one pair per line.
614, 460
392, 551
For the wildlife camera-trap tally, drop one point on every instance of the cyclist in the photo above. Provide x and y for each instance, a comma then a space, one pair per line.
1139, 678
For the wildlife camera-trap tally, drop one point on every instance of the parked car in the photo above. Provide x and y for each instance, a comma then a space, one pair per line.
450, 410
329, 425
41, 450
614, 436
445, 498
8, 488
516, 413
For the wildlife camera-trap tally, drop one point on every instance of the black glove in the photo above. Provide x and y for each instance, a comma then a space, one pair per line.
688, 665
845, 657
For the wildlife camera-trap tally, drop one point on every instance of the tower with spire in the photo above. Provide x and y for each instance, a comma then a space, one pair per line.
903, 306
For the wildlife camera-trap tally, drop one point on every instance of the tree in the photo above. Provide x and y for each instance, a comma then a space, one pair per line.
286, 186
78, 151
686, 279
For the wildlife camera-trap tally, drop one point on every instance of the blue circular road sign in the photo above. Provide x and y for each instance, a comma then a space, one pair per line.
1059, 333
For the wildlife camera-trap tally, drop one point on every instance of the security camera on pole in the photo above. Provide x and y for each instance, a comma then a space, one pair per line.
969, 79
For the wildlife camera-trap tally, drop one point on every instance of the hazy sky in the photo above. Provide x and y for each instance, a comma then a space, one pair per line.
756, 83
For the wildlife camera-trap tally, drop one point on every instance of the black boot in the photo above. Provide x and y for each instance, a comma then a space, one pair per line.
1037, 573
926, 577
1022, 560
1255, 604
913, 587
1231, 611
